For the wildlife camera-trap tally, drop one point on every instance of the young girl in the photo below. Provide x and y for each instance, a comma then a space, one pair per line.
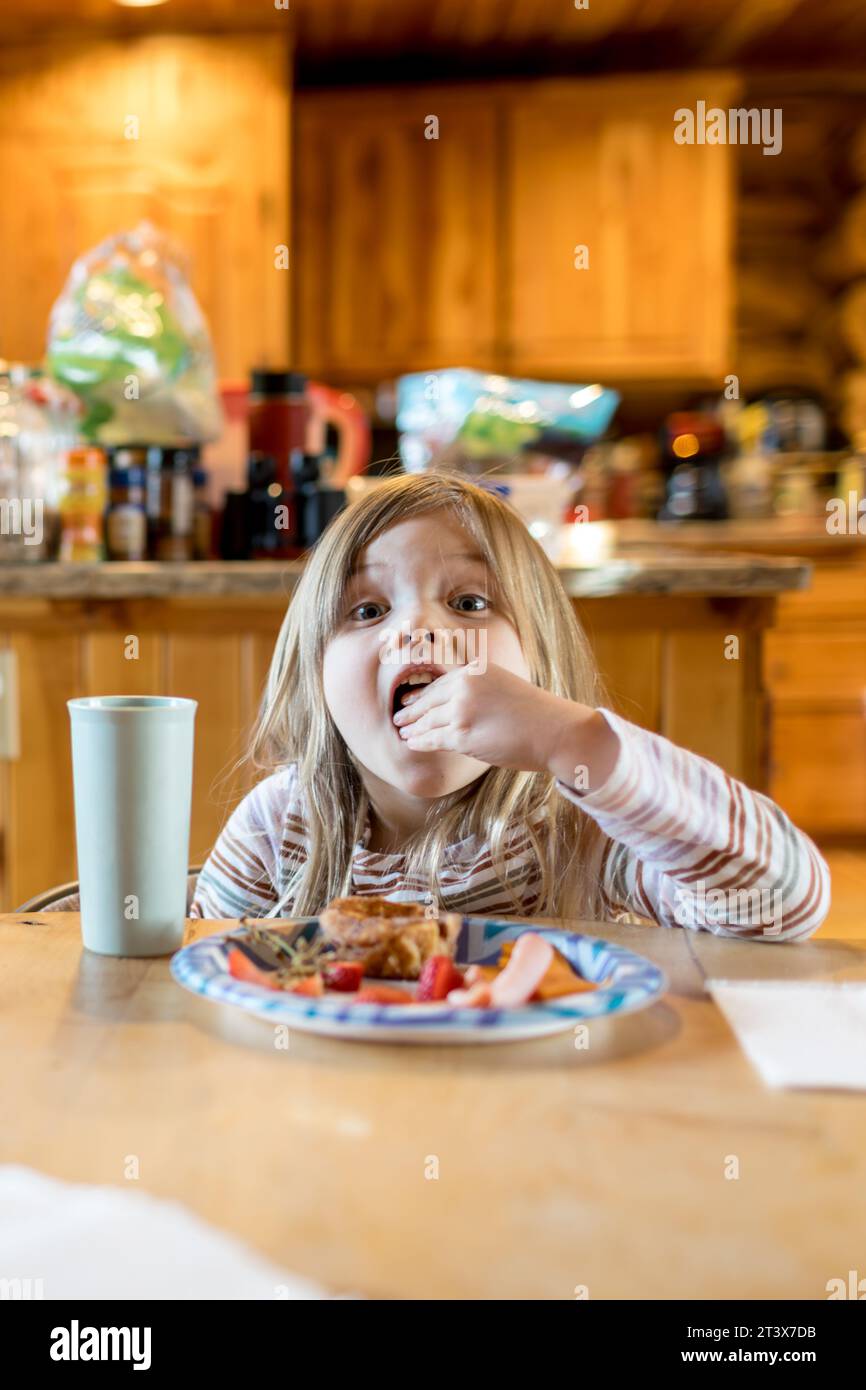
434, 728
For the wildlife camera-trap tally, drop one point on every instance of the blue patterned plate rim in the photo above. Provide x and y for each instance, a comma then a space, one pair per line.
632, 981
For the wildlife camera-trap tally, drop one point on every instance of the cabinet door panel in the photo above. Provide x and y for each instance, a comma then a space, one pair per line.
210, 670
819, 770
118, 663
190, 132
39, 818
413, 253
595, 166
807, 667
630, 665
396, 233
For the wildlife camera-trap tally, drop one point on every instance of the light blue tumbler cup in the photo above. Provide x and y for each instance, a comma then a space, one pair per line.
132, 775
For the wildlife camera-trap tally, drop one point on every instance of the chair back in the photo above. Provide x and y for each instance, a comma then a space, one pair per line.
65, 897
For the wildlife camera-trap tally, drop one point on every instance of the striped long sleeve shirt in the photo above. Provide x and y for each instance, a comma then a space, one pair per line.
687, 845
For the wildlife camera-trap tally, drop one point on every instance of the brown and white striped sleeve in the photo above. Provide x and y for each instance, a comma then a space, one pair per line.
693, 847
242, 874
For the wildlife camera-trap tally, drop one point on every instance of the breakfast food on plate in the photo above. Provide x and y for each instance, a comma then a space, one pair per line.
513, 983
241, 967
560, 978
388, 942
345, 976
523, 971
383, 994
275, 960
393, 940
438, 978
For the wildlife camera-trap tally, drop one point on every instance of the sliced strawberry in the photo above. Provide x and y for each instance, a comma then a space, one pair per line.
383, 994
344, 975
242, 968
307, 984
439, 975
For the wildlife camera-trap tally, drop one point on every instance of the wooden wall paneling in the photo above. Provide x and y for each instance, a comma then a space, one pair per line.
261, 652
210, 167
39, 834
5, 800
704, 697
216, 653
679, 683
756, 764
208, 668
630, 664
256, 652
111, 668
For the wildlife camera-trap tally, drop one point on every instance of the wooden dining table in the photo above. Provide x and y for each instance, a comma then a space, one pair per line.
533, 1170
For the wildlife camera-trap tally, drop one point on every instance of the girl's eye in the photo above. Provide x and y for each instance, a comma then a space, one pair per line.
470, 603
365, 612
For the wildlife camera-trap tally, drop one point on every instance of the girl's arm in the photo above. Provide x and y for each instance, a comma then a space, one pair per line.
691, 846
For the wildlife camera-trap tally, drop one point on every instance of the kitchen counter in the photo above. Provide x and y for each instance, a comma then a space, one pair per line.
777, 535
630, 570
679, 638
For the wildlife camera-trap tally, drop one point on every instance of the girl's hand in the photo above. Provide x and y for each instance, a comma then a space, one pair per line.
501, 719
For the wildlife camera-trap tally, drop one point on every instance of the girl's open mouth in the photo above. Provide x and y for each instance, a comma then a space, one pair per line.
410, 679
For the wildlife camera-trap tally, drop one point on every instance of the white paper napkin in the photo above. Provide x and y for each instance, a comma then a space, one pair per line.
69, 1240
807, 1034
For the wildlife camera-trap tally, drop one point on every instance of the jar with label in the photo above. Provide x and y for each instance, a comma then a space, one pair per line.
82, 506
170, 502
126, 518
202, 525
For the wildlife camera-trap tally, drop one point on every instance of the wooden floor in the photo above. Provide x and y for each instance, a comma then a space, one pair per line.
848, 911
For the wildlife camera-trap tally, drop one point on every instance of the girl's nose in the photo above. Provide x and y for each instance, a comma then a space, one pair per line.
417, 641
418, 623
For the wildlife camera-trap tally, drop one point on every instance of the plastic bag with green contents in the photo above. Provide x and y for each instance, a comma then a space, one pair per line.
128, 337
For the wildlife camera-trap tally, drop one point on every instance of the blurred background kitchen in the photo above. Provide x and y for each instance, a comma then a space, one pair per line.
253, 256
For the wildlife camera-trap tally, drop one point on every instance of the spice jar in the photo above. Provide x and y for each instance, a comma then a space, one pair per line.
82, 506
126, 518
202, 522
170, 502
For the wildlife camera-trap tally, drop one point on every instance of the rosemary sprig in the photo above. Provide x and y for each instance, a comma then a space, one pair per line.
300, 958
297, 958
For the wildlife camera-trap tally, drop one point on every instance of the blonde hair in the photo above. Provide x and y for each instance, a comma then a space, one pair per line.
295, 725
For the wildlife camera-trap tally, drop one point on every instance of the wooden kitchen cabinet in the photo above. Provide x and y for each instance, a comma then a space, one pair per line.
594, 165
412, 253
215, 654
815, 666
396, 239
189, 132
